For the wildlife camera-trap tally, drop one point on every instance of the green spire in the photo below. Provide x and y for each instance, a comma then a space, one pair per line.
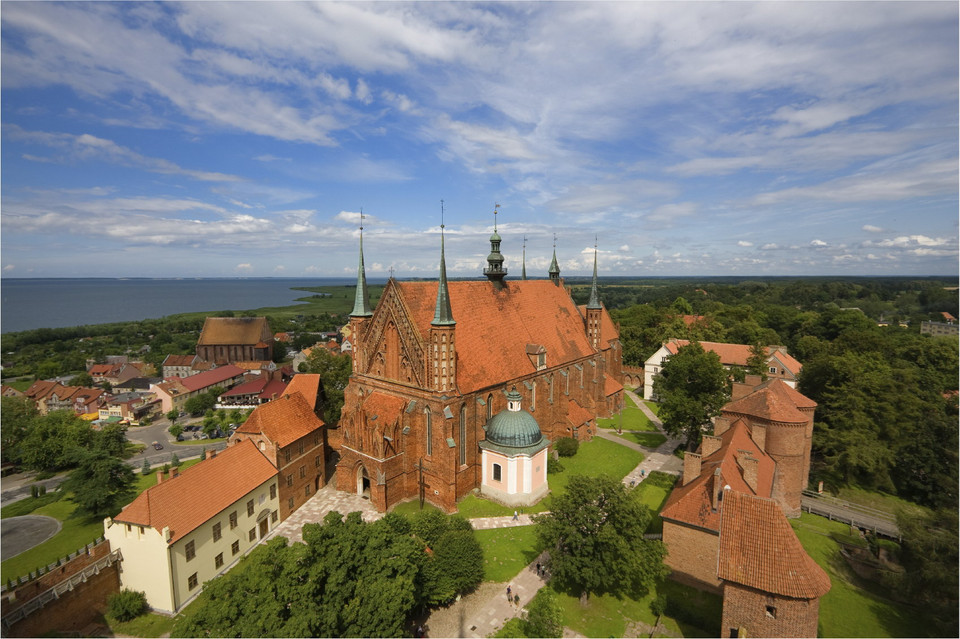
361, 304
495, 271
443, 316
594, 302
523, 271
554, 267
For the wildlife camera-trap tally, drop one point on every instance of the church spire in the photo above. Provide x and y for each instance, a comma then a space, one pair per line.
523, 271
495, 271
554, 267
443, 316
594, 295
361, 304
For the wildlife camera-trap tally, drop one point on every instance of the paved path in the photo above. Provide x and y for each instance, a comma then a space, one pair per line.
20, 534
323, 501
661, 459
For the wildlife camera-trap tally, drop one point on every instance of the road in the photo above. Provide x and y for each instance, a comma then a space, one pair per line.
17, 487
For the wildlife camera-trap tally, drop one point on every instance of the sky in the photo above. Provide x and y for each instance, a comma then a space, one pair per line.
229, 139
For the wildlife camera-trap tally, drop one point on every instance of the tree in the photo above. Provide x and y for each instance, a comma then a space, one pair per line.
544, 615
82, 379
101, 484
757, 361
126, 604
53, 439
930, 557
594, 534
334, 371
176, 430
19, 414
173, 414
692, 387
145, 469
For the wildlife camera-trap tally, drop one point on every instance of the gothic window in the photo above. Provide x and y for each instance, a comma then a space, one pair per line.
489, 405
429, 419
463, 435
496, 472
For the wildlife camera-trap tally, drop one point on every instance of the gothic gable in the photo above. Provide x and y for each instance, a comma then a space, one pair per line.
395, 349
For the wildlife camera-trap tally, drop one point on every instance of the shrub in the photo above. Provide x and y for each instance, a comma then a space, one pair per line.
145, 469
567, 446
175, 461
126, 605
659, 605
554, 466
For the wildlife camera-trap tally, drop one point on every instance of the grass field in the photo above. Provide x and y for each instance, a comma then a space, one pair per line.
645, 439
849, 610
507, 551
653, 492
412, 507
594, 458
148, 625
633, 419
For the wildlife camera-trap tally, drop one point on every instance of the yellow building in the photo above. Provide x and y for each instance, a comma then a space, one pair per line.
191, 527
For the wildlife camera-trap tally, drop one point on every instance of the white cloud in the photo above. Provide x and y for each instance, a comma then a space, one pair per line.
246, 266
744, 243
8, 268
870, 228
818, 243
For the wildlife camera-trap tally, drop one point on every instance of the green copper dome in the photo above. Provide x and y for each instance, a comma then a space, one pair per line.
514, 430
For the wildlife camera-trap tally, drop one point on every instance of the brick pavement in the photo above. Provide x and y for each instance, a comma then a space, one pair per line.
323, 501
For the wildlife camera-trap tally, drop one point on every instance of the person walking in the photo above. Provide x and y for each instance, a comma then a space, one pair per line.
538, 569
515, 517
509, 595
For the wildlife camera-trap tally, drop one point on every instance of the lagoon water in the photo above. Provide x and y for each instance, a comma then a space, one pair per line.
54, 303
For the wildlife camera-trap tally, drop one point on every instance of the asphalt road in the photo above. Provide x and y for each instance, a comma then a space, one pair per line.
23, 533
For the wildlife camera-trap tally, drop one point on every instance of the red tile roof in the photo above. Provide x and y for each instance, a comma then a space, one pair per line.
308, 385
179, 360
730, 354
773, 400
759, 549
577, 414
211, 377
611, 386
494, 327
101, 369
253, 387
692, 503
40, 388
200, 492
284, 420
791, 364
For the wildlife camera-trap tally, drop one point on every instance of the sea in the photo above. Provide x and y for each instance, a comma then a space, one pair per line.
55, 303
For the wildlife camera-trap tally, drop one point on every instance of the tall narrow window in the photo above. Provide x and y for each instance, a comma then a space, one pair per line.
429, 418
496, 472
489, 405
463, 435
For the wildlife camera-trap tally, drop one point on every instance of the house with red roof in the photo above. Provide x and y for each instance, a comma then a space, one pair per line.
289, 433
179, 365
435, 361
779, 364
748, 475
193, 526
250, 394
227, 340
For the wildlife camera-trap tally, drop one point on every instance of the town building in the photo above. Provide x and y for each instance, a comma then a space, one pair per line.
227, 340
191, 527
179, 365
778, 363
175, 392
291, 436
250, 394
756, 464
940, 329
433, 363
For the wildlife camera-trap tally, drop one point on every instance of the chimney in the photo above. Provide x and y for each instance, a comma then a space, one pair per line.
749, 465
710, 445
717, 487
159, 476
691, 467
740, 390
211, 454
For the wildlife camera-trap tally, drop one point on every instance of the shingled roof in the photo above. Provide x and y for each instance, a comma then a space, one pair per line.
773, 400
759, 549
234, 330
494, 327
308, 385
185, 502
692, 503
284, 420
211, 377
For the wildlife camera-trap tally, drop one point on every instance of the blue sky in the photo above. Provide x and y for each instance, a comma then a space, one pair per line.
243, 139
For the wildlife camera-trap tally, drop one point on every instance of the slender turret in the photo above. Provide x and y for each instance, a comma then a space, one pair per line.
443, 316
594, 302
361, 304
554, 267
523, 270
495, 271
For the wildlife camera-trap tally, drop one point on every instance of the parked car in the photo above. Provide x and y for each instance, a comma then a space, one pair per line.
158, 446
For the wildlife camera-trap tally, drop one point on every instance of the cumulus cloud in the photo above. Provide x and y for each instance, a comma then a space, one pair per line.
818, 243
744, 243
244, 267
870, 228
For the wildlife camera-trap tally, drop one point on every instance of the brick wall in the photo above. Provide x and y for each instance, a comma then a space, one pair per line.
692, 555
762, 614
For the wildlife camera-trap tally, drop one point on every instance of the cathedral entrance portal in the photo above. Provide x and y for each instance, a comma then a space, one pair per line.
363, 482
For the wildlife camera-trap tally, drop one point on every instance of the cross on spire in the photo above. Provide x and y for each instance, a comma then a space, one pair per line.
441, 217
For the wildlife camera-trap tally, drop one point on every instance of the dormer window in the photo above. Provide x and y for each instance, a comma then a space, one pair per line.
537, 355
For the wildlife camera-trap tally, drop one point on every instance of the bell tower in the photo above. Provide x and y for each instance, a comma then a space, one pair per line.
361, 307
594, 308
554, 267
495, 271
443, 347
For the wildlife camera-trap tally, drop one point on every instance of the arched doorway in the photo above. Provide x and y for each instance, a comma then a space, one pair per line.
363, 482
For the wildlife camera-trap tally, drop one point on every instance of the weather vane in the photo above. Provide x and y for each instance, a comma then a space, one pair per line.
441, 215
361, 220
495, 207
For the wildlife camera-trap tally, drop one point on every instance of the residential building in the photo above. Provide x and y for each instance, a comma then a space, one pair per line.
940, 329
191, 527
250, 394
179, 365
778, 363
172, 395
308, 385
434, 362
288, 432
226, 340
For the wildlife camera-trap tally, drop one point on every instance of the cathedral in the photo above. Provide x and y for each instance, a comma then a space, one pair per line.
436, 361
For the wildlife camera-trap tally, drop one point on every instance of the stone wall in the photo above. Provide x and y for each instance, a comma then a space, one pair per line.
692, 555
763, 614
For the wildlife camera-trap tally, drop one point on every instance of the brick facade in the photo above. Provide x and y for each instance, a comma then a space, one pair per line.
692, 555
763, 614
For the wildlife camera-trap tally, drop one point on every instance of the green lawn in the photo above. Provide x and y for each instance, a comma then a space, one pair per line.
594, 458
633, 419
412, 507
849, 610
644, 438
608, 616
148, 625
880, 501
507, 551
653, 492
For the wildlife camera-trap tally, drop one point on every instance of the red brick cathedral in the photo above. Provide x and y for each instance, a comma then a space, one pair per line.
435, 360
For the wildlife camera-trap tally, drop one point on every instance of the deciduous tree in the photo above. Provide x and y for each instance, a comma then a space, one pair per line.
101, 484
692, 387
